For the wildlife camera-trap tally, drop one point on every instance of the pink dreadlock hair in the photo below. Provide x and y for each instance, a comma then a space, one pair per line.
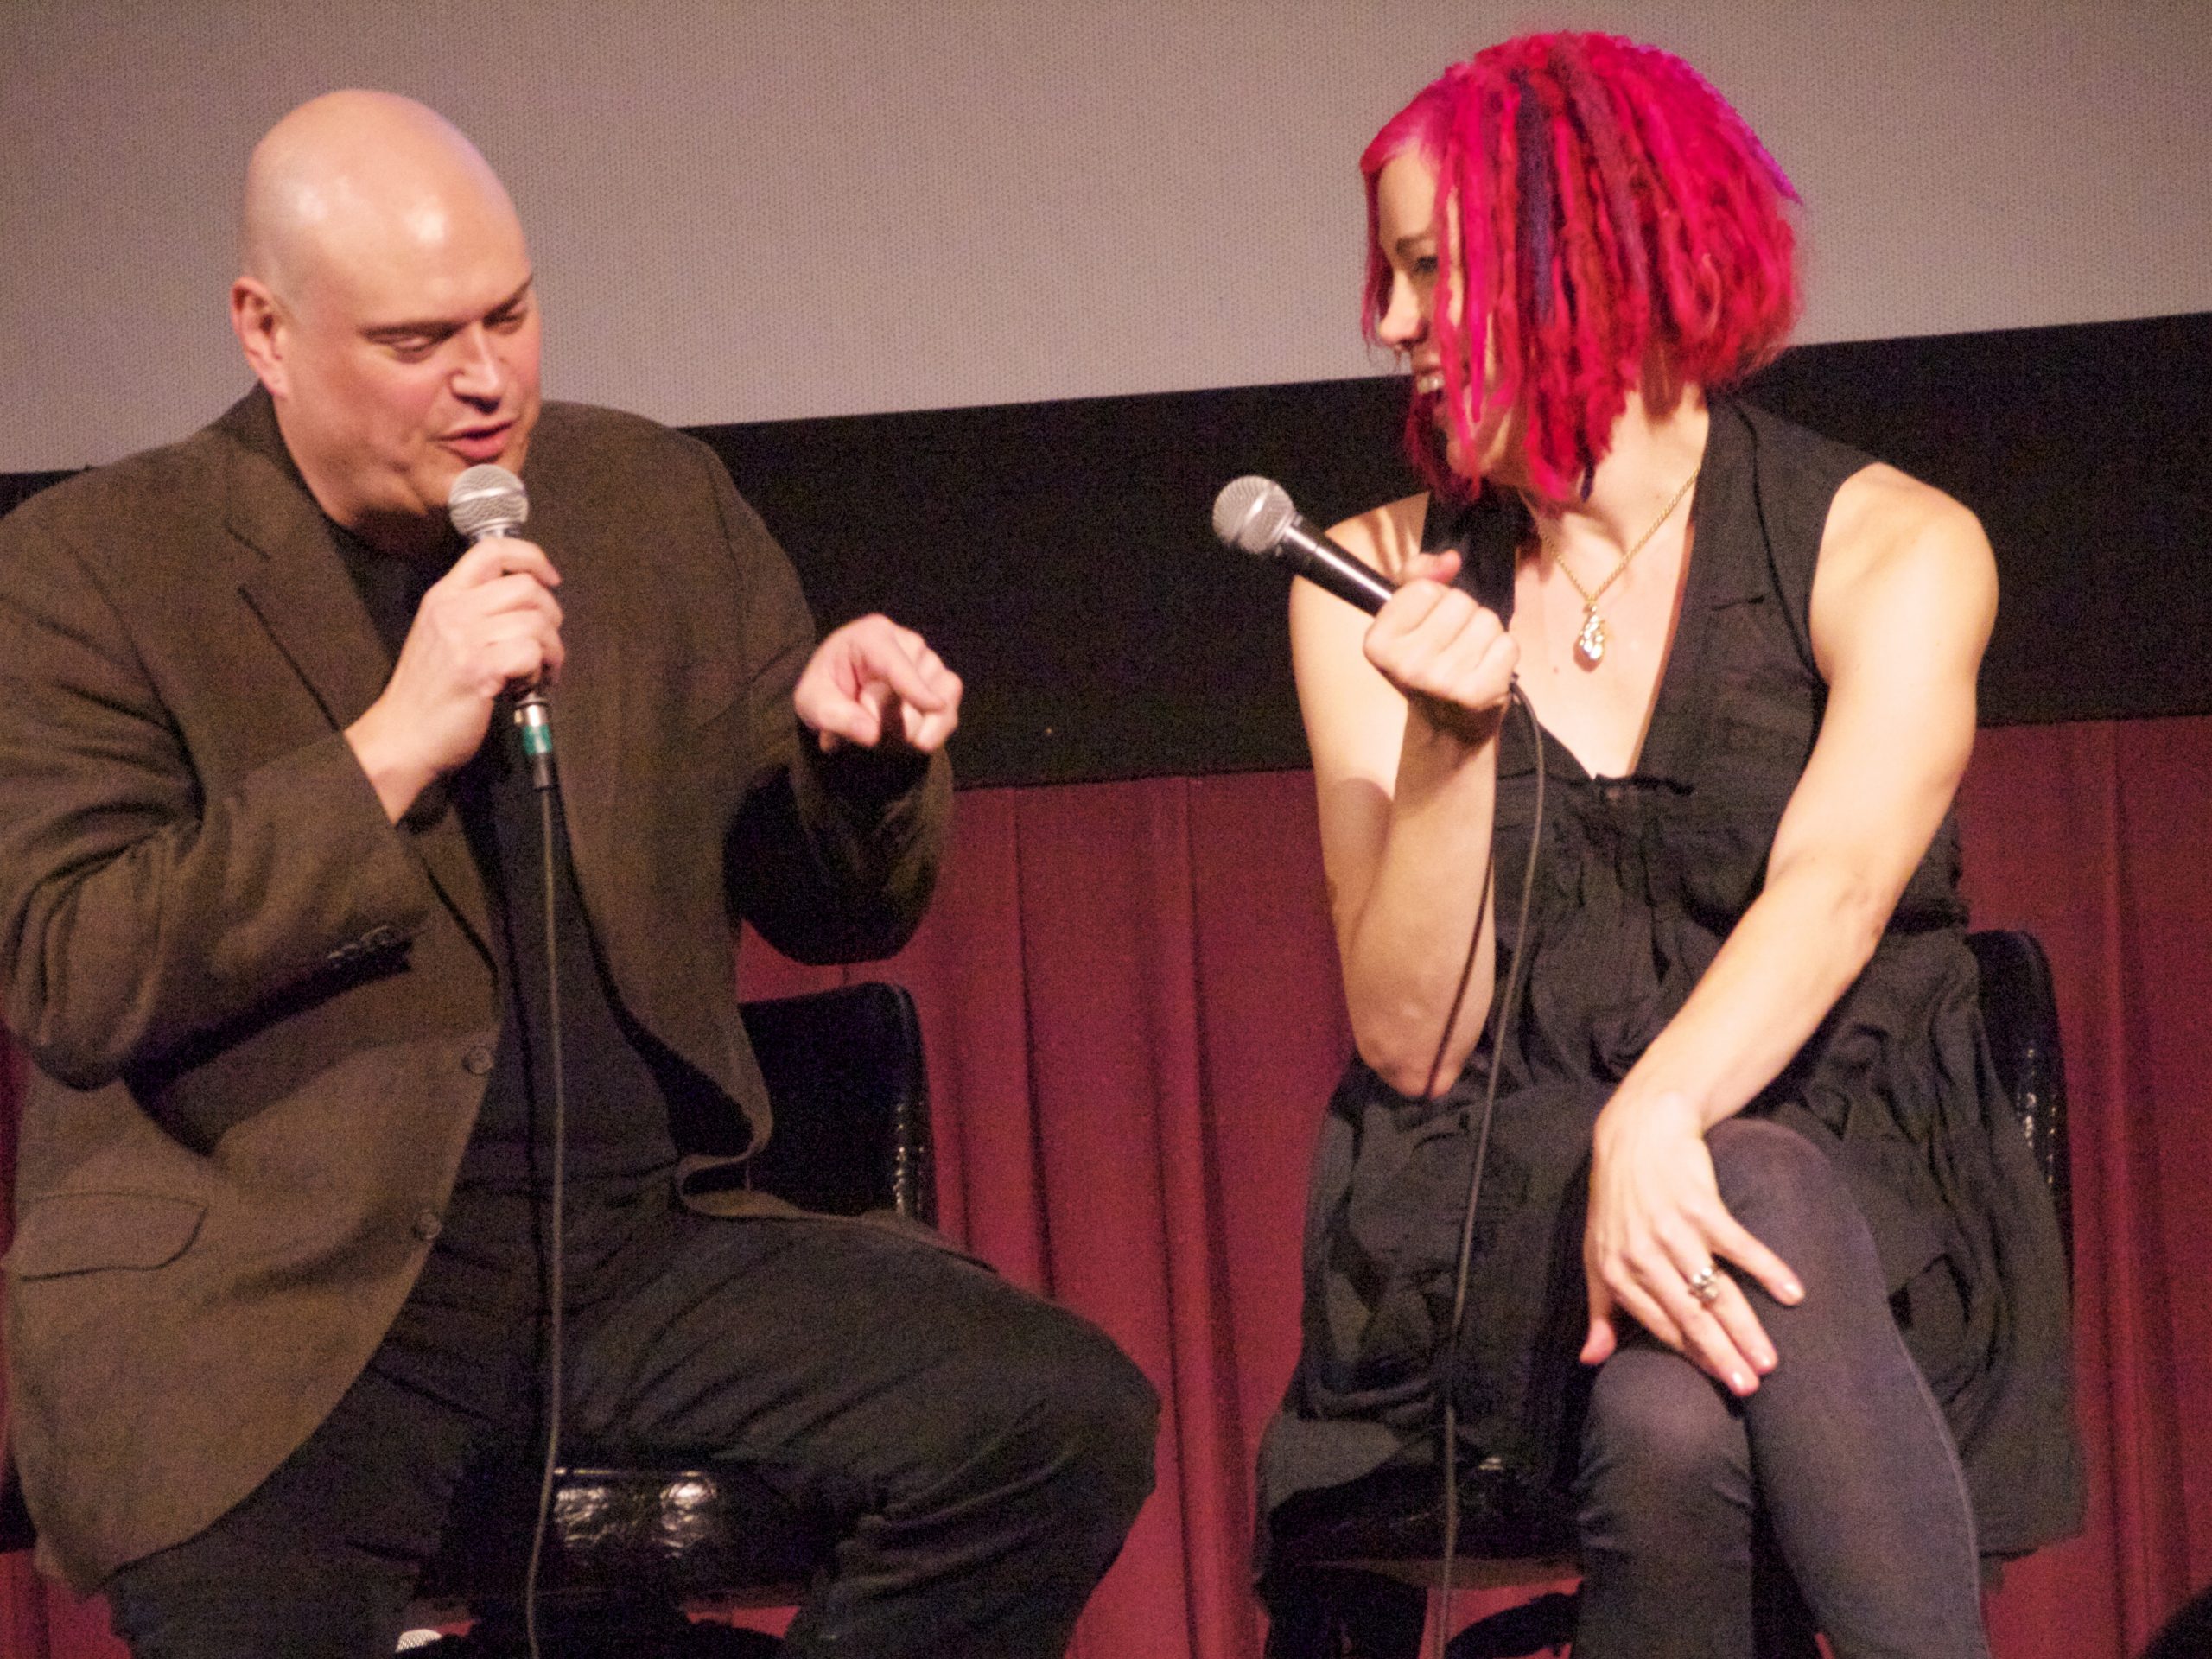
1596, 201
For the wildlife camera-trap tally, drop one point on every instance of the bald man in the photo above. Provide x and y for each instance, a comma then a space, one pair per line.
271, 891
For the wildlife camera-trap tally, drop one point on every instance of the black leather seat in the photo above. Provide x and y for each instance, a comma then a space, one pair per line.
1393, 1526
2188, 1634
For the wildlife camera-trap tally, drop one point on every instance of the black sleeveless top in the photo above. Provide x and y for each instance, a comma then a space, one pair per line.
1639, 880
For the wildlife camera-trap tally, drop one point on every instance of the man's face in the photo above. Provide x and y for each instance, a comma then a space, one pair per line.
403, 356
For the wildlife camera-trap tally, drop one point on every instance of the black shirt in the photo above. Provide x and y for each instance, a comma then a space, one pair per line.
473, 1321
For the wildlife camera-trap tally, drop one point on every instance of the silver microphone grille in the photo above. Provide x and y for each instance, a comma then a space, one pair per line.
487, 500
1251, 514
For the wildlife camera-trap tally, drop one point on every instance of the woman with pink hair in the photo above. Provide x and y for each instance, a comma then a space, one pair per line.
1753, 1276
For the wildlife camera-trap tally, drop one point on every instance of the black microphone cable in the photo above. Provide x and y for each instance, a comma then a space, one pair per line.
1254, 515
1505, 1010
486, 501
556, 1286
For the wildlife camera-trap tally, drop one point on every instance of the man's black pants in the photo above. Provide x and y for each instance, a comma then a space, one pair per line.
984, 1452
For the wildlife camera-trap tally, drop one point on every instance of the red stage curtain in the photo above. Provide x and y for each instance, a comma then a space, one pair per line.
1129, 994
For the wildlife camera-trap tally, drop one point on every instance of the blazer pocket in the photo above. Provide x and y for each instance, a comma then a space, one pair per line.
89, 1232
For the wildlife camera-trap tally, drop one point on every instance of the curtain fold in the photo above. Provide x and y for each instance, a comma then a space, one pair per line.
1129, 995
2091, 836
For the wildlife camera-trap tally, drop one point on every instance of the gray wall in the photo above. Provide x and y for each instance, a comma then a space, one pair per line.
771, 208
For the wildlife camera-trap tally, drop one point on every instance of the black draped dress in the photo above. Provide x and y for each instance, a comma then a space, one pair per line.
1639, 880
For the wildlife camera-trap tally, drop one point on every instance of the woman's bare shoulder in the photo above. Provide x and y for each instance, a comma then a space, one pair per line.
1881, 514
1900, 560
1386, 536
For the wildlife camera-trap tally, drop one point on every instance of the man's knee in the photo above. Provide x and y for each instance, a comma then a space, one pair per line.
174, 1607
1077, 1410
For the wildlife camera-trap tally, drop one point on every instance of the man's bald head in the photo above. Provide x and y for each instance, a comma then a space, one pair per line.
385, 300
354, 173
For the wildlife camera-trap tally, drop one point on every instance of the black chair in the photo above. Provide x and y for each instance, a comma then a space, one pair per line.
628, 1548
2020, 1011
1393, 1527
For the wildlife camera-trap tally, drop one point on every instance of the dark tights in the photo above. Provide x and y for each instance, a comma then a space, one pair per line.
1841, 1449
1699, 1512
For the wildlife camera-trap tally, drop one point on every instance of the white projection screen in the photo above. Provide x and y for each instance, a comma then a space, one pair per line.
760, 209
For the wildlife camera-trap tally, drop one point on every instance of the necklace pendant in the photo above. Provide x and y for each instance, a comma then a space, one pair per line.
1590, 643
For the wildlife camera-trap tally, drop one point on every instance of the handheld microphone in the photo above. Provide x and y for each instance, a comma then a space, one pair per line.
487, 501
1254, 516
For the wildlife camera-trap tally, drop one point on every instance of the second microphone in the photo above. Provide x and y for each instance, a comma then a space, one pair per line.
1254, 516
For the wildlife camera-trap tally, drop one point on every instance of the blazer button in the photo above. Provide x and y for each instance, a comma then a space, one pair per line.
427, 1225
476, 1061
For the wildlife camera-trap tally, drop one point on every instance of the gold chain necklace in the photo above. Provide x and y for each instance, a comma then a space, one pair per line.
1590, 642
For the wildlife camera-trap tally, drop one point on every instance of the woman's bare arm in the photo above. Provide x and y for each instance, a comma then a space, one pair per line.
1902, 607
1401, 716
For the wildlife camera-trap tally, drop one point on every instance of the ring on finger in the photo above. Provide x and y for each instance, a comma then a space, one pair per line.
1704, 1284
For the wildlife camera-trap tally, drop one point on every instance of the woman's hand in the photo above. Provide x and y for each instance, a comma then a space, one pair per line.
1449, 656
1656, 1227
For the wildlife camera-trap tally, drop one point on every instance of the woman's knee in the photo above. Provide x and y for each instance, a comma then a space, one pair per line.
1662, 1440
1777, 1182
1753, 1156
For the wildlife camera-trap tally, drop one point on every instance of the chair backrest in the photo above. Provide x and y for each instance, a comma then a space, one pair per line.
2020, 1013
850, 1093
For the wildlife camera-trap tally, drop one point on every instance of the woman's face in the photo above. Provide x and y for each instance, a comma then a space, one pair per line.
1405, 220
1411, 244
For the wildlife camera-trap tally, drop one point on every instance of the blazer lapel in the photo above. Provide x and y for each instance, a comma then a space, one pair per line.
299, 587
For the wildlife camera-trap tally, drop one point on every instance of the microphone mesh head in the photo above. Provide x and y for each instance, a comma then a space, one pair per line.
487, 500
1251, 513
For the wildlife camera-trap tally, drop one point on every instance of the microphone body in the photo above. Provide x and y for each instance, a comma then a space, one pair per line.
1308, 551
534, 720
487, 501
1254, 516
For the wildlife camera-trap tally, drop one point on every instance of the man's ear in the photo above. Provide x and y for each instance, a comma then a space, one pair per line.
261, 327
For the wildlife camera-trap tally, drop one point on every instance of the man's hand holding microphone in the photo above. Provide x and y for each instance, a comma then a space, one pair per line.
490, 623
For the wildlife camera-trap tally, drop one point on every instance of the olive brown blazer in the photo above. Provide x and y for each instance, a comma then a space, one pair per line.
259, 1014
